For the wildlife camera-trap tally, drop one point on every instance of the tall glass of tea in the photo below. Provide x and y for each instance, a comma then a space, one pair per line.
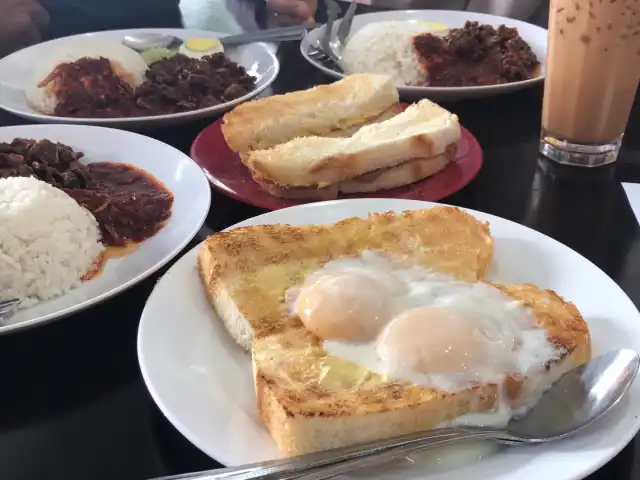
592, 72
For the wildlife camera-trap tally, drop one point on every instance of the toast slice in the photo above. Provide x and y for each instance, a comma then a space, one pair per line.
310, 401
246, 271
383, 179
321, 110
423, 130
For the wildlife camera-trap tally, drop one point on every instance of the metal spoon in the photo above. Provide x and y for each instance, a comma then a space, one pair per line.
577, 399
148, 40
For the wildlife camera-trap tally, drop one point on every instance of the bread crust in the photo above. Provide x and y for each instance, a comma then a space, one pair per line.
320, 110
382, 179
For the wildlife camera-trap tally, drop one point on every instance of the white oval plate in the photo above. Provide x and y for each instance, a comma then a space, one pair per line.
535, 36
18, 67
192, 197
203, 382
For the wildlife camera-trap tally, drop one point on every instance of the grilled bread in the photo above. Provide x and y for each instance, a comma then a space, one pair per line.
246, 271
324, 110
310, 401
422, 131
382, 179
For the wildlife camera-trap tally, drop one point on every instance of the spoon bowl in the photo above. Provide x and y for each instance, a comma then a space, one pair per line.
578, 398
148, 40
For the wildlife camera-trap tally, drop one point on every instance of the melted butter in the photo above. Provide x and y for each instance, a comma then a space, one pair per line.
338, 375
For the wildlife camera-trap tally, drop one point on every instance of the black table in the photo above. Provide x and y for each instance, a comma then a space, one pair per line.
72, 401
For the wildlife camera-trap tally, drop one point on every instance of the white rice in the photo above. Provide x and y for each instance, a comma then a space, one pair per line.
47, 241
386, 48
126, 63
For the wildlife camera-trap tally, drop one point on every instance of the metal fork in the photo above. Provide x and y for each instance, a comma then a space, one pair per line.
7, 307
345, 24
315, 52
333, 10
321, 51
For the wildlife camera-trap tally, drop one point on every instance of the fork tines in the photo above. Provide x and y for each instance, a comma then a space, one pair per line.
8, 303
7, 307
319, 56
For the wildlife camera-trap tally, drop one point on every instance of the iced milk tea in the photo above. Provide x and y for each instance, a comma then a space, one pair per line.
593, 67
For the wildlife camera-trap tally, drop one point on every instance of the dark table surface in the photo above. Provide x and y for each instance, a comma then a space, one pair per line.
72, 401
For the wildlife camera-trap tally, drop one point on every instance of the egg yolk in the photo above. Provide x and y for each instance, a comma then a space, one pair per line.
435, 27
201, 44
432, 340
344, 306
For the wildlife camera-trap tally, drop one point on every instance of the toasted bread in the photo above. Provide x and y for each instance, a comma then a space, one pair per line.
310, 401
337, 133
321, 110
383, 179
400, 175
246, 271
423, 130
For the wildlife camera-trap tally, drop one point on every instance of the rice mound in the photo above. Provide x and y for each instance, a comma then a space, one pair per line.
386, 48
126, 63
47, 241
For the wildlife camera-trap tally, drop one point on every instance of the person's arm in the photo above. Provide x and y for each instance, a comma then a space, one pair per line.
254, 14
21, 24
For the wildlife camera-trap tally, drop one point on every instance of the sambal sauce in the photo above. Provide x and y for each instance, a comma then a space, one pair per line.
129, 204
476, 55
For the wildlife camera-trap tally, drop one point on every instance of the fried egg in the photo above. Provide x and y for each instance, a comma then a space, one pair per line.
413, 324
200, 47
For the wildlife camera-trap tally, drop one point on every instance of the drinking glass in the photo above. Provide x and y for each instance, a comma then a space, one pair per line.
592, 72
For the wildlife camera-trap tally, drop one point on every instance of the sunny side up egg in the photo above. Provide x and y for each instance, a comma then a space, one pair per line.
200, 47
414, 324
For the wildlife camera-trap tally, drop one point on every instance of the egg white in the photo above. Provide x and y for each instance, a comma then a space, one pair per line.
516, 343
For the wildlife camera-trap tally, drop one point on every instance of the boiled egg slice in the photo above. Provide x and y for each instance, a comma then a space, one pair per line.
200, 47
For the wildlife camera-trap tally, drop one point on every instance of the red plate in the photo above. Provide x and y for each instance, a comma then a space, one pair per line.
228, 175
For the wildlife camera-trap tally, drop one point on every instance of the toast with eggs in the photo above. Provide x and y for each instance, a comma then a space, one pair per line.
311, 401
246, 271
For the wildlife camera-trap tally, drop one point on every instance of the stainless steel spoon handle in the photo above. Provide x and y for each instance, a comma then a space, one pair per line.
321, 465
282, 34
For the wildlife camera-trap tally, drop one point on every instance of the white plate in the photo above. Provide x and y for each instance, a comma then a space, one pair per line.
535, 36
192, 197
203, 382
18, 67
